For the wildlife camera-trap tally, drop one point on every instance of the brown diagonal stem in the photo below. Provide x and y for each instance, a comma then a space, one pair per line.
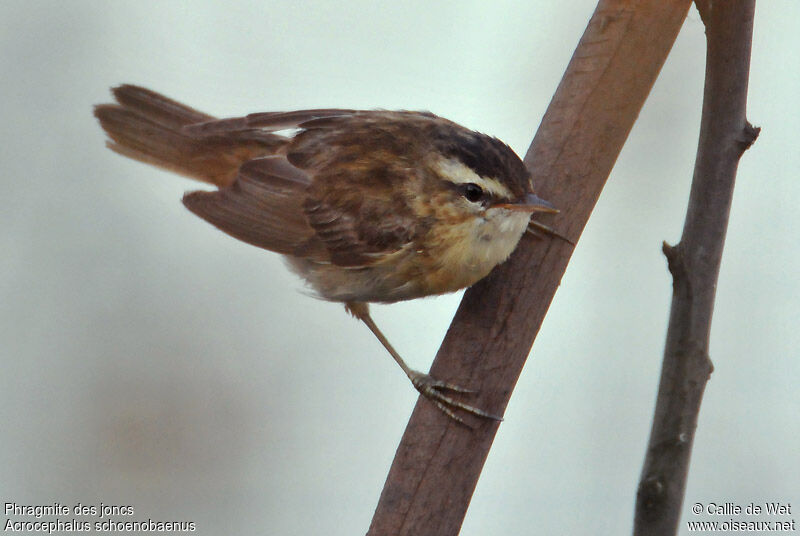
438, 462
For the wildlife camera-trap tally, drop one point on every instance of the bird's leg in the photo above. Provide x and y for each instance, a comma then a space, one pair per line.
430, 388
534, 227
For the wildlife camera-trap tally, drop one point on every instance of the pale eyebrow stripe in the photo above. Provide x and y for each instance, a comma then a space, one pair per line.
456, 172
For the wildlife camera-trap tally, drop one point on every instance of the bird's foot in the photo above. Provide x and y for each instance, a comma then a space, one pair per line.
435, 391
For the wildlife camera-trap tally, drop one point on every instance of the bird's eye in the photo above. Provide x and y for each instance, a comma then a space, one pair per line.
473, 192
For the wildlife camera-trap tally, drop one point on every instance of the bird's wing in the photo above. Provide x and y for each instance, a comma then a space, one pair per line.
263, 206
272, 205
266, 121
359, 233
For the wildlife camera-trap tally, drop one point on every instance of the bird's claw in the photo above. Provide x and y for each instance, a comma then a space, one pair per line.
434, 390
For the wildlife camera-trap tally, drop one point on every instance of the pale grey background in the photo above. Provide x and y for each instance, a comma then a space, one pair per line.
148, 359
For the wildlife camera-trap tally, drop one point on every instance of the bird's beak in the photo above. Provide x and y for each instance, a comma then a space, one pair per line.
530, 203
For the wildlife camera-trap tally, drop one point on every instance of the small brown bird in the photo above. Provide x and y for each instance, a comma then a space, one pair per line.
366, 206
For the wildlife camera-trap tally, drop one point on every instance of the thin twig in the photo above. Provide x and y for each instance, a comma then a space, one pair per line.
694, 263
606, 83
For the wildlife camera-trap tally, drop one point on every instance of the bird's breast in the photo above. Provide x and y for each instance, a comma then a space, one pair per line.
452, 255
461, 254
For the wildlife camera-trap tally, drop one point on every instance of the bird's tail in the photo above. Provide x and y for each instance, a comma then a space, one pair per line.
149, 127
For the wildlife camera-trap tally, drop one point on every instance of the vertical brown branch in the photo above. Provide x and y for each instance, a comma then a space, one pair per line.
606, 83
694, 263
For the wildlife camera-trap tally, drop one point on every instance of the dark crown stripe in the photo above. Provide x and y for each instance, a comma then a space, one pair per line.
486, 156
